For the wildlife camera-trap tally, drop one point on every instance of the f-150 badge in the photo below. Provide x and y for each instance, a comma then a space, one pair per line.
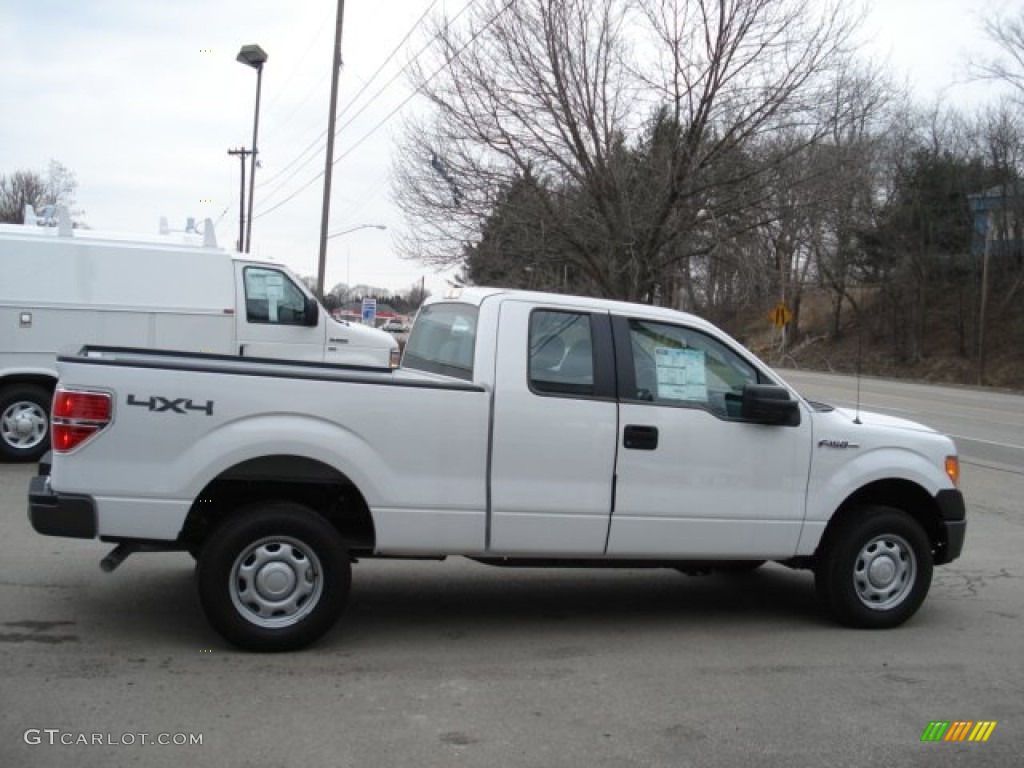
827, 443
182, 405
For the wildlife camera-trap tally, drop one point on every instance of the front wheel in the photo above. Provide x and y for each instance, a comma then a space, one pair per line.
273, 577
875, 568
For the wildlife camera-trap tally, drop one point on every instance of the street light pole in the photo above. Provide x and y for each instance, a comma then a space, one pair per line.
255, 57
348, 258
356, 228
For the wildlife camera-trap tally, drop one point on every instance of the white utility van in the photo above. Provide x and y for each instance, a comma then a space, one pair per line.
61, 288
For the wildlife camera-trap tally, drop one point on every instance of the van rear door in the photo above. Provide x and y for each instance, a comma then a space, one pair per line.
272, 316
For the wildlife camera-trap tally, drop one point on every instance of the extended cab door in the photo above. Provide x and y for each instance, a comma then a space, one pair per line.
695, 479
554, 433
274, 316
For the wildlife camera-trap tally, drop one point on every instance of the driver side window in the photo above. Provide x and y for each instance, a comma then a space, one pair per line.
674, 365
271, 297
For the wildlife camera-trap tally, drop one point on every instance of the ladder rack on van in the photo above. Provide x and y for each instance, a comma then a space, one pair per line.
58, 216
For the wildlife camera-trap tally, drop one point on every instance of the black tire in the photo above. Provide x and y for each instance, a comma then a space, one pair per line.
24, 422
274, 576
874, 569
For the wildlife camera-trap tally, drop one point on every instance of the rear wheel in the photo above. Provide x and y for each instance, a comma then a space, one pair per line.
273, 577
24, 422
875, 568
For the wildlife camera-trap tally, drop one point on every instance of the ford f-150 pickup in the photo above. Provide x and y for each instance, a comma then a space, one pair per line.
521, 429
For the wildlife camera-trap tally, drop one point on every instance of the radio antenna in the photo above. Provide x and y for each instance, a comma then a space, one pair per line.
860, 346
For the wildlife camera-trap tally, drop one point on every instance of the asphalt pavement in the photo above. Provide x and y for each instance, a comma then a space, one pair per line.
453, 663
987, 425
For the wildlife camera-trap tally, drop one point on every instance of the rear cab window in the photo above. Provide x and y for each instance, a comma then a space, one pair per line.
561, 353
443, 340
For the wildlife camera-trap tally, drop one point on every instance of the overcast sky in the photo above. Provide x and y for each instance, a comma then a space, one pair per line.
142, 100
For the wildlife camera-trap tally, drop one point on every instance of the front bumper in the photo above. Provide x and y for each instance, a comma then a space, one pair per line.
60, 514
953, 524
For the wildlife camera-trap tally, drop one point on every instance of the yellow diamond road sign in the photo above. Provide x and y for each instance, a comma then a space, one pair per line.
780, 315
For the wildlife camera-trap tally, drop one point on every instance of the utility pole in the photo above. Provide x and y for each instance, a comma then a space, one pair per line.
242, 153
331, 119
990, 226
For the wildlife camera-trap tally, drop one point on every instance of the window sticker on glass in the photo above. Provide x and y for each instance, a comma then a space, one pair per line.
681, 374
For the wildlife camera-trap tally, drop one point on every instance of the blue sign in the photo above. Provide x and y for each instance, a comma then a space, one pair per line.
369, 311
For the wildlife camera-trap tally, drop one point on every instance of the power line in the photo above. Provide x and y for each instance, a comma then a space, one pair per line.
273, 98
317, 143
405, 101
415, 93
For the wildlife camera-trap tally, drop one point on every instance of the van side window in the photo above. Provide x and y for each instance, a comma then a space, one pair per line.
561, 353
443, 340
674, 365
271, 297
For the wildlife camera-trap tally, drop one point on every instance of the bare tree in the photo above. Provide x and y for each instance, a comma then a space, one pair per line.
1001, 144
852, 164
18, 190
1006, 63
416, 294
30, 188
628, 149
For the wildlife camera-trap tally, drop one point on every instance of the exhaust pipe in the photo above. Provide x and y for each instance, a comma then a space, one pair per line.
116, 556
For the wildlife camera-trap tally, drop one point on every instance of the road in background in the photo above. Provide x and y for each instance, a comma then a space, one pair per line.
988, 426
442, 664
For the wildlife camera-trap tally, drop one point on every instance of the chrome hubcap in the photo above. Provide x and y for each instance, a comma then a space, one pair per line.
276, 582
23, 425
885, 572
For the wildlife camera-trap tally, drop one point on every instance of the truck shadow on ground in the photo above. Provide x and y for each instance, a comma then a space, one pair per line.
495, 600
410, 603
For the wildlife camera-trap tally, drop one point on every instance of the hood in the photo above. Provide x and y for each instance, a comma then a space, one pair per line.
872, 419
365, 336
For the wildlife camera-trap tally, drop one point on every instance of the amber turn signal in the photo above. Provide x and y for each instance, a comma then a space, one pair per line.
953, 469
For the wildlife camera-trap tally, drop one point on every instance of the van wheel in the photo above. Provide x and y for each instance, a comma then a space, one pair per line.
24, 422
273, 577
875, 568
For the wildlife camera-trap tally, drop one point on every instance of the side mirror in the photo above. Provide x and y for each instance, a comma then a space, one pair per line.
769, 404
312, 315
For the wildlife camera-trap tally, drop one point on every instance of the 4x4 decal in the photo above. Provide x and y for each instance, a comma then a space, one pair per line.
182, 405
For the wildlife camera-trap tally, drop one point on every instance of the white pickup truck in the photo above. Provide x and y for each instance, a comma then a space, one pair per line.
521, 429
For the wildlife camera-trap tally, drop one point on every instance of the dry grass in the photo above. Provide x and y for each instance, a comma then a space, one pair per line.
939, 362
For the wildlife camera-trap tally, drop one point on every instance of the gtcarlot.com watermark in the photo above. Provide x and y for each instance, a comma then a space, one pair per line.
57, 737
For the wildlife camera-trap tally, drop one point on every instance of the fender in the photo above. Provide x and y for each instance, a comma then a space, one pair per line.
837, 476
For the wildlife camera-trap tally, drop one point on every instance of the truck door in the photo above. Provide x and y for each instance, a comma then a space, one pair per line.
693, 478
554, 432
271, 316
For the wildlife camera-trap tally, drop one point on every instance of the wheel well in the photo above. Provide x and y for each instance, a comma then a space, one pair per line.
38, 379
293, 478
898, 494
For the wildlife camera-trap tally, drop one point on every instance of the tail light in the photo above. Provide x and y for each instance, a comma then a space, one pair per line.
77, 417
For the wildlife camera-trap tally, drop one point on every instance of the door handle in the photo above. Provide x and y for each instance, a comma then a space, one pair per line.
640, 438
